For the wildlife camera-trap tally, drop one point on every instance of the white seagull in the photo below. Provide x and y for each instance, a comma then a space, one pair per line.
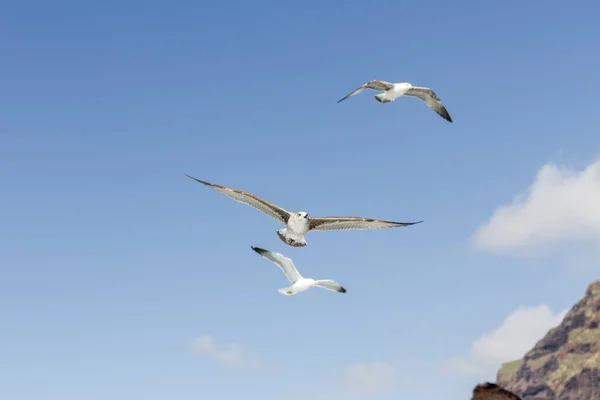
391, 91
298, 282
300, 223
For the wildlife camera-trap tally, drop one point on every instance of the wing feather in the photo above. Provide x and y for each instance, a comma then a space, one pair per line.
337, 223
431, 99
374, 84
330, 285
250, 199
283, 262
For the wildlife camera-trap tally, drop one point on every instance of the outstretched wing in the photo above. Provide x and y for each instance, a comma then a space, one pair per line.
283, 262
250, 199
431, 99
336, 223
330, 285
374, 84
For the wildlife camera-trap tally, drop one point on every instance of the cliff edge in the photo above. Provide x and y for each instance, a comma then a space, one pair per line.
565, 364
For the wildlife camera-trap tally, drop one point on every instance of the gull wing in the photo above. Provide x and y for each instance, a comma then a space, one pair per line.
283, 262
250, 199
336, 223
374, 84
330, 285
431, 99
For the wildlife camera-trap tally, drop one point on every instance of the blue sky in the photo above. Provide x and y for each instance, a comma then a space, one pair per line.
113, 262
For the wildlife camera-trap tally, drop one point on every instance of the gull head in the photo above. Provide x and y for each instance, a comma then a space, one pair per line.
303, 214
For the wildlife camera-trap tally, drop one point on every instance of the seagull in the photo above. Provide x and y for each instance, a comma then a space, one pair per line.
300, 223
298, 282
391, 91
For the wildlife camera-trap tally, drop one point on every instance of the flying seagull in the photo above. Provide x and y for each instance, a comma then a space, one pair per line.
391, 91
298, 282
300, 223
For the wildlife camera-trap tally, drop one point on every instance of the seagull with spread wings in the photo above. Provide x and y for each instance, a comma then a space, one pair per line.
297, 281
300, 223
391, 91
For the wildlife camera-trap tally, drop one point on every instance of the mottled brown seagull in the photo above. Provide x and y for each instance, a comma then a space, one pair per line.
300, 223
391, 91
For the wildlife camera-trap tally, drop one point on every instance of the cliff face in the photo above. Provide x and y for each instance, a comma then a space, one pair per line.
565, 364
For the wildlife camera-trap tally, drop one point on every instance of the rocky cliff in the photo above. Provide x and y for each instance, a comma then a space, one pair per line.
491, 391
565, 364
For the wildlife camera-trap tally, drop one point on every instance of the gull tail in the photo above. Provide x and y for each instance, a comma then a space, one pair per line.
286, 291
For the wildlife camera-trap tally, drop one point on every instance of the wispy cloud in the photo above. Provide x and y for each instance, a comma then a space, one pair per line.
517, 334
229, 355
369, 379
560, 204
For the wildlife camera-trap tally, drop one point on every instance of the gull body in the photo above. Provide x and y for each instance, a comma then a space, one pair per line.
297, 287
397, 90
298, 224
298, 282
391, 91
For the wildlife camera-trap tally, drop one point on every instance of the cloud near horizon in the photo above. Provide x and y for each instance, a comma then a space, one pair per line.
368, 379
517, 334
229, 355
561, 204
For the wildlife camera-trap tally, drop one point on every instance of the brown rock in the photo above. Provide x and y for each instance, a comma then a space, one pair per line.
491, 391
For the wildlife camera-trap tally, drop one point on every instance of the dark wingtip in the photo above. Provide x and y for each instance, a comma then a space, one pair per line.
412, 223
340, 100
259, 250
201, 181
196, 179
445, 114
342, 290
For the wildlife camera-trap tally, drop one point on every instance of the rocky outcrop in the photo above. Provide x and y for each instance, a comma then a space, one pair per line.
565, 364
491, 391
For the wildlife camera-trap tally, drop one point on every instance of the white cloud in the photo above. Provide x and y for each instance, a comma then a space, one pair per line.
560, 204
517, 334
368, 379
229, 355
